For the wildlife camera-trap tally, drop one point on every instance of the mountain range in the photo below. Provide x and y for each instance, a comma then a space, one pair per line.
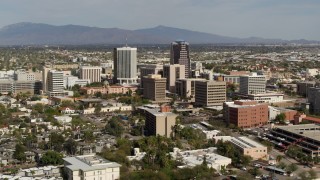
45, 34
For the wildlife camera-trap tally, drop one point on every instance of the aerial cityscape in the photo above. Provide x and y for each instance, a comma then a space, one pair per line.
206, 98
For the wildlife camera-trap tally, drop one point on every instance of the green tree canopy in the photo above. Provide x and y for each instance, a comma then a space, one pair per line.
52, 158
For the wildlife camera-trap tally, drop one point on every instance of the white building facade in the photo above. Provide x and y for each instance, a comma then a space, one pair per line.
125, 65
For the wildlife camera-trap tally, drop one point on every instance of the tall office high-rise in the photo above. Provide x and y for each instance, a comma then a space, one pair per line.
93, 73
55, 83
180, 55
125, 65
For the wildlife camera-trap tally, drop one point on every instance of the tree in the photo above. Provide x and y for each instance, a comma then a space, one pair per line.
56, 141
52, 158
293, 151
245, 160
88, 136
97, 109
71, 146
292, 167
39, 108
279, 158
281, 118
282, 165
114, 127
255, 171
19, 153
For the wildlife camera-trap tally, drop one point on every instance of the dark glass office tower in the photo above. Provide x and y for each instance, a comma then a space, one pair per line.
180, 55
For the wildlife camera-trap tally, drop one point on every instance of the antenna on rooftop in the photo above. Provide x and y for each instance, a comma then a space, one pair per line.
126, 40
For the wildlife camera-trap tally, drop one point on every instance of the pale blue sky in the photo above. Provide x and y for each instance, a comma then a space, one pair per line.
286, 19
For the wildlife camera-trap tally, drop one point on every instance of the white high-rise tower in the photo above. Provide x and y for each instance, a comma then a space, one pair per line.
125, 65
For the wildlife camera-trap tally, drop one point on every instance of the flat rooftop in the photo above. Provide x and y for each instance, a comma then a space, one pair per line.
89, 163
311, 131
156, 112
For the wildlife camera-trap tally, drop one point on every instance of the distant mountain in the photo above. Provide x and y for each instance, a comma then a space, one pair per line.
44, 34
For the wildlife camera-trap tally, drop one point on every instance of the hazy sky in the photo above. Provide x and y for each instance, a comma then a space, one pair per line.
286, 19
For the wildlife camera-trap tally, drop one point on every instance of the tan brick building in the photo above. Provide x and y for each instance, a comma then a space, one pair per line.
210, 93
154, 87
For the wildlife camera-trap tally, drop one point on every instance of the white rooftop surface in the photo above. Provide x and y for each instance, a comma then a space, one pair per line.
232, 104
156, 112
268, 94
242, 142
89, 163
10, 177
195, 157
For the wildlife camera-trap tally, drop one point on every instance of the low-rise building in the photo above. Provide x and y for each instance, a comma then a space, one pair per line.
264, 98
196, 157
274, 111
91, 167
118, 89
305, 136
247, 146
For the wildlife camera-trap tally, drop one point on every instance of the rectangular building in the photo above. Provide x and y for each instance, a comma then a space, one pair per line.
91, 167
93, 73
245, 114
186, 87
314, 100
210, 93
172, 73
302, 87
125, 65
306, 136
253, 84
264, 98
147, 69
159, 122
247, 146
55, 83
154, 87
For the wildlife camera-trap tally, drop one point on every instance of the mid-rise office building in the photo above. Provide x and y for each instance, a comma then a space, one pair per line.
173, 72
314, 100
253, 84
154, 87
70, 81
91, 167
147, 69
302, 87
125, 65
186, 87
210, 93
159, 121
55, 83
24, 76
180, 55
93, 73
15, 87
245, 113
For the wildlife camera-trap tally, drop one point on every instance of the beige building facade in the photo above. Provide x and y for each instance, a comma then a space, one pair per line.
210, 93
